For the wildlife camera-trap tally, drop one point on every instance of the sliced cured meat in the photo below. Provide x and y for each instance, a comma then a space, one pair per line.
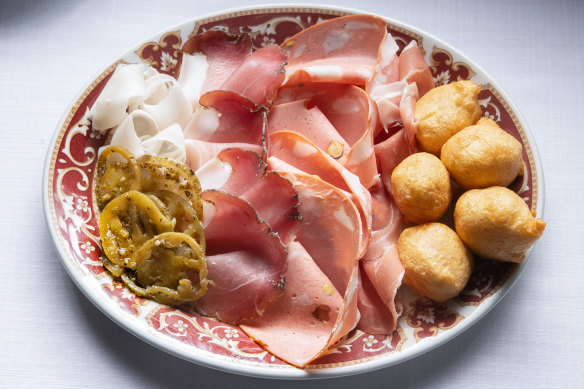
376, 318
347, 108
390, 153
310, 316
299, 152
330, 229
386, 69
414, 69
200, 152
407, 108
342, 50
239, 119
388, 98
306, 118
246, 261
381, 262
243, 174
224, 53
259, 76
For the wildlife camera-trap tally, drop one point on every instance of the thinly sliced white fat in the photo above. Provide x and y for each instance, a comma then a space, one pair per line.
198, 153
125, 90
166, 102
125, 135
213, 174
203, 124
193, 72
209, 211
169, 143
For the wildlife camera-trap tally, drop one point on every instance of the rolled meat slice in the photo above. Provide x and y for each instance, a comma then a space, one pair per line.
414, 69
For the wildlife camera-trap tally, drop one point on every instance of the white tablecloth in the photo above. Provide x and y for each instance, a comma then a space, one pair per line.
52, 336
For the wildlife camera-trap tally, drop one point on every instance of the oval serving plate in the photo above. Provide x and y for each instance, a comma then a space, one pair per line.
71, 216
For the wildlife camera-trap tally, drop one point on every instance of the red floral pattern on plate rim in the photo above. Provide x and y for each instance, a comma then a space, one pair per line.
73, 214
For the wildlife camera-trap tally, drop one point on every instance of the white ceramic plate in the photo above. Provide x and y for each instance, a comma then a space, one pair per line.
70, 214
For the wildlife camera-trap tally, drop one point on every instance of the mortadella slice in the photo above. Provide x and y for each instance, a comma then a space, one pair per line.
342, 50
299, 152
310, 316
349, 110
330, 229
246, 260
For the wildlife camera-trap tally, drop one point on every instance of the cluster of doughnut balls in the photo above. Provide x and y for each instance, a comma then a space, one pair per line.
466, 155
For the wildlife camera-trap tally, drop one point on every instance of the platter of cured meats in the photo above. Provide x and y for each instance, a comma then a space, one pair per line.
293, 192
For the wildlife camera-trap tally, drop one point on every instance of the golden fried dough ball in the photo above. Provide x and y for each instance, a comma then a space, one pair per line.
444, 111
421, 187
482, 155
496, 223
437, 263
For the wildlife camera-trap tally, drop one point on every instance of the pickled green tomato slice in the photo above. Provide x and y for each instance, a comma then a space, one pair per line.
127, 222
117, 173
159, 173
181, 213
169, 268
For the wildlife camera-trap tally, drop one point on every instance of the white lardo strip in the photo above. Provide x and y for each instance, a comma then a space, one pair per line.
213, 174
166, 101
169, 143
203, 124
193, 72
123, 93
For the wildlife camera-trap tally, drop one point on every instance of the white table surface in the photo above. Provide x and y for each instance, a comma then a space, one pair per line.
52, 336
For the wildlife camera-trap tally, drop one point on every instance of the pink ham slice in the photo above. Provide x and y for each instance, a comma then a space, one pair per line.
259, 76
407, 108
224, 53
381, 262
342, 50
376, 317
414, 69
272, 195
199, 152
349, 118
246, 261
240, 119
309, 318
330, 229
296, 150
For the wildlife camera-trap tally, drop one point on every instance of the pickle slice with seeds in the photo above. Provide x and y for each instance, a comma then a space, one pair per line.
117, 173
127, 222
169, 268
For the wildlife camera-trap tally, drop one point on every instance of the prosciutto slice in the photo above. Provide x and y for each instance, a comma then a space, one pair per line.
414, 69
246, 261
309, 318
246, 177
376, 317
238, 119
381, 262
259, 76
342, 50
224, 53
296, 150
